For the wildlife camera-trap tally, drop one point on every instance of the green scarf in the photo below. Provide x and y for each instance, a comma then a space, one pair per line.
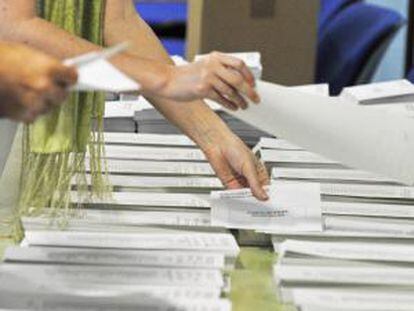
55, 146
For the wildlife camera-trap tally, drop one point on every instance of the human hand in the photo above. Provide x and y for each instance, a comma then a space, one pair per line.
236, 165
31, 82
217, 76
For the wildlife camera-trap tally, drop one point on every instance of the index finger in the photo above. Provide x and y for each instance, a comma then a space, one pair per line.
250, 173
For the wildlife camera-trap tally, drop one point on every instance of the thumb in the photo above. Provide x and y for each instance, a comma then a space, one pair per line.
64, 76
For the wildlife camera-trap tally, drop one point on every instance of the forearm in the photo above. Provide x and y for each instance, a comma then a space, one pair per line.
45, 36
195, 118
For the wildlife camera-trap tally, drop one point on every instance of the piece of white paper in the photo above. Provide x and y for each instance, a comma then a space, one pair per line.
147, 139
164, 168
126, 218
380, 92
368, 209
154, 153
293, 206
367, 275
118, 257
276, 143
368, 191
150, 199
223, 243
346, 299
327, 174
293, 156
357, 137
101, 75
119, 275
184, 182
350, 250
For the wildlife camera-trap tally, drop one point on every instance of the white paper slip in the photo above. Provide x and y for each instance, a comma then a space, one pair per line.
380, 92
223, 243
292, 206
368, 209
352, 135
350, 250
345, 299
375, 225
185, 182
292, 156
366, 275
317, 89
147, 139
28, 300
118, 109
368, 191
196, 200
154, 258
327, 174
276, 143
118, 275
154, 153
126, 218
23, 285
101, 75
157, 167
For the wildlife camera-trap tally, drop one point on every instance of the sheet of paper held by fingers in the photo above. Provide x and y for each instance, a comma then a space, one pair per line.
355, 136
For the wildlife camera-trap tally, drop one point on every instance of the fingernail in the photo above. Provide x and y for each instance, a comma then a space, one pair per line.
264, 196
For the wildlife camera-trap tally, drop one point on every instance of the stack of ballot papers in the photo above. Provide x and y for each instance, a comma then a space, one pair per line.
151, 121
346, 274
362, 258
150, 246
395, 96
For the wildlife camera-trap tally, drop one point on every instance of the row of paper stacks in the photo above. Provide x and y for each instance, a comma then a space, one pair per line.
150, 247
363, 259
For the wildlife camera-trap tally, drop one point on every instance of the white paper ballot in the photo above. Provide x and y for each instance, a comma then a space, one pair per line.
293, 206
147, 139
118, 109
357, 137
350, 250
186, 182
352, 299
101, 75
368, 209
196, 200
223, 243
136, 167
118, 257
87, 217
327, 174
154, 153
276, 143
380, 92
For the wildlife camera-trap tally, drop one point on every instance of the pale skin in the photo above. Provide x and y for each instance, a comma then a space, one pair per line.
174, 91
31, 82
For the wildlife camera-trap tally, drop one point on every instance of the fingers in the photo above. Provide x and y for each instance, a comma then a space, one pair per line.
214, 95
63, 76
249, 171
235, 80
238, 65
229, 93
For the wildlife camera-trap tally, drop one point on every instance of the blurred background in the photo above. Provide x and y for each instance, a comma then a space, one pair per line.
340, 42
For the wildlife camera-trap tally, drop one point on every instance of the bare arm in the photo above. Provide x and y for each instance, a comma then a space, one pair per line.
195, 118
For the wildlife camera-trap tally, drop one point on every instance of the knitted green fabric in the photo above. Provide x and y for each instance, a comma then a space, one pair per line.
55, 146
